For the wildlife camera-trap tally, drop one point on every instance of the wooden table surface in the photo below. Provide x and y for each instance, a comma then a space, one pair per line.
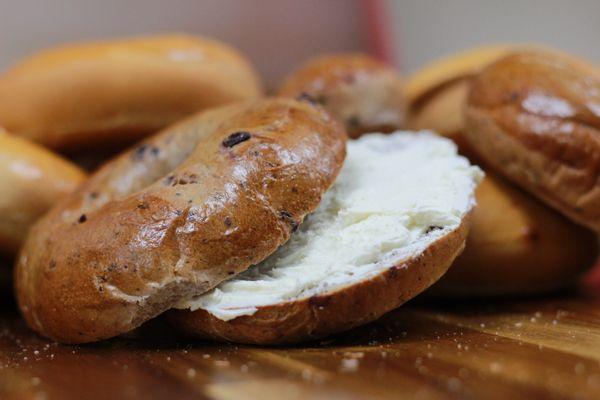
518, 349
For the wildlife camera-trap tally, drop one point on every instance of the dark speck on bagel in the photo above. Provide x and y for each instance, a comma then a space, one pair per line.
307, 97
236, 138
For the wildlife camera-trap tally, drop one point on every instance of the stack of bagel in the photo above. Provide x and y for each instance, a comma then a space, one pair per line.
529, 116
151, 177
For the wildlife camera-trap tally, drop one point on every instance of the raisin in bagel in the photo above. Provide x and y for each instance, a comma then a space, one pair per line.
364, 93
437, 92
517, 246
173, 217
391, 225
100, 93
534, 116
32, 179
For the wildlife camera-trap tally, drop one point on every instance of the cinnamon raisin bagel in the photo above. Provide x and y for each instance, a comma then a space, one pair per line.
365, 94
117, 91
187, 208
32, 179
534, 116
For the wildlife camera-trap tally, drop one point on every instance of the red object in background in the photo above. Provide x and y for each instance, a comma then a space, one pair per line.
593, 277
378, 31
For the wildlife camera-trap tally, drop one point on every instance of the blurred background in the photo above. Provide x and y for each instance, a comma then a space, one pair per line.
279, 34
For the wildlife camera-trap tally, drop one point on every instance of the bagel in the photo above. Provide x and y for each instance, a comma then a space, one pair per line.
117, 91
365, 94
456, 66
516, 246
173, 217
32, 179
534, 116
392, 224
436, 93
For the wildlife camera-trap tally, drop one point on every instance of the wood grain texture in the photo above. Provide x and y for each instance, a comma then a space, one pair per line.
519, 349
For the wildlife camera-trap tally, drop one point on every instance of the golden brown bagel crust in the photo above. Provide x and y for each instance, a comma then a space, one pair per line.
32, 179
120, 90
336, 311
535, 117
455, 67
175, 216
442, 111
362, 92
517, 245
437, 92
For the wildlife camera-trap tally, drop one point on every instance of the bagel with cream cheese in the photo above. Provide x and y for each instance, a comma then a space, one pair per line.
32, 179
391, 225
534, 117
173, 217
117, 91
365, 94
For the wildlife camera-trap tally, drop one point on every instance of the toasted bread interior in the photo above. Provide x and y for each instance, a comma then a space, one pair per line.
395, 195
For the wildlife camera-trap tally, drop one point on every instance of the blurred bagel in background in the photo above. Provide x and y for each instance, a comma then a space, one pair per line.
517, 245
117, 91
32, 179
365, 94
437, 92
534, 116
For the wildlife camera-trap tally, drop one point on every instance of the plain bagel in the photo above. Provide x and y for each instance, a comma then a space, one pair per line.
437, 92
365, 94
517, 245
534, 116
32, 179
176, 215
391, 225
100, 93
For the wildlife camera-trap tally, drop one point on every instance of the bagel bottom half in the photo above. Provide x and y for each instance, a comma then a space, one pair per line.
391, 225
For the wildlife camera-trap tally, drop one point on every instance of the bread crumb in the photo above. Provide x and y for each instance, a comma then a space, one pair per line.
222, 363
191, 373
351, 354
349, 365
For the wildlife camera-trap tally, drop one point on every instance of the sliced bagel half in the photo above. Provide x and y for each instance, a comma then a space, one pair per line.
391, 225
